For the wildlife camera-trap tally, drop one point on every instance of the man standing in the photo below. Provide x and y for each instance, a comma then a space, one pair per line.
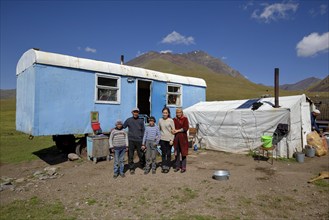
136, 130
314, 125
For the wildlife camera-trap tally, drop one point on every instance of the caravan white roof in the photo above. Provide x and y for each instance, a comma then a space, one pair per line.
32, 56
286, 102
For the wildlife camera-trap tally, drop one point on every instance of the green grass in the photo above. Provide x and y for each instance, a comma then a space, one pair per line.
322, 183
15, 146
33, 208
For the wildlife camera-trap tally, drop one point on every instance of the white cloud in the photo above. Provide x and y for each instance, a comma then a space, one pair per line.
166, 51
91, 50
247, 5
275, 12
177, 38
139, 53
323, 9
313, 44
224, 58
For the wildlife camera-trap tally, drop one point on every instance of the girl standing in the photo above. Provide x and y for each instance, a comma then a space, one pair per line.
166, 125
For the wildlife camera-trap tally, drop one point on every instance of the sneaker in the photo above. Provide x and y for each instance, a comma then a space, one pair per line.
153, 171
132, 172
115, 175
183, 170
122, 175
176, 170
166, 171
146, 172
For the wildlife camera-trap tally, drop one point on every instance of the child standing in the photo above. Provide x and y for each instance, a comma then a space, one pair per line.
118, 144
150, 141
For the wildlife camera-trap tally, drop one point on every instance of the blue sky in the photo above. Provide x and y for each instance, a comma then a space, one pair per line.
253, 37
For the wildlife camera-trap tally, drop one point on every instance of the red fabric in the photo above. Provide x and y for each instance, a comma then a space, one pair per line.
181, 137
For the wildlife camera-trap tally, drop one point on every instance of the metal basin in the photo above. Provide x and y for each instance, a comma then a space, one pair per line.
221, 175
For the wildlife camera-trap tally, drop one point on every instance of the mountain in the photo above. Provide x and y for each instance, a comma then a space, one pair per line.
321, 86
187, 61
7, 93
212, 63
301, 85
223, 82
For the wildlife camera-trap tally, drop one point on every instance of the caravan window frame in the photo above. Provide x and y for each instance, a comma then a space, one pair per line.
117, 88
179, 93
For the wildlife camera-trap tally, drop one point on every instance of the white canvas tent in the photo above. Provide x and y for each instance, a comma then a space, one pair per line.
232, 126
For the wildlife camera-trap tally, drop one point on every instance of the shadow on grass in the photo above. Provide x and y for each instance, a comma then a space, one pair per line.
51, 155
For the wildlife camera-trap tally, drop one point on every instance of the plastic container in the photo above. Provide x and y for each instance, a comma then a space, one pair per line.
300, 157
195, 147
95, 126
267, 141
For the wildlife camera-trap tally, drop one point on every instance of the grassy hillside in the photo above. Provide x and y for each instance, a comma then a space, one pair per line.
219, 86
322, 86
15, 146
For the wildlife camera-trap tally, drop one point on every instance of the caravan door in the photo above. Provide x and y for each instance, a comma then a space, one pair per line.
144, 88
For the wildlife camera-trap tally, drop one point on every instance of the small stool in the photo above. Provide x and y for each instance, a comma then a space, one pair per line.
269, 150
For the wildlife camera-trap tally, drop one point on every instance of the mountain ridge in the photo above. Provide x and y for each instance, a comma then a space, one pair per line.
301, 85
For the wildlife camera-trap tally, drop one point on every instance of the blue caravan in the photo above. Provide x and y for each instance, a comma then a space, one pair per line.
56, 93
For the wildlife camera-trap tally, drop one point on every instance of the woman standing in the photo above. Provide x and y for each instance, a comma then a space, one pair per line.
166, 125
180, 141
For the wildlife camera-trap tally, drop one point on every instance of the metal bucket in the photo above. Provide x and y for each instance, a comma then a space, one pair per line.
300, 157
310, 151
221, 175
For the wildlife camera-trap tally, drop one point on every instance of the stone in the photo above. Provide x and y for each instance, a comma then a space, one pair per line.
51, 170
7, 179
37, 173
20, 180
72, 156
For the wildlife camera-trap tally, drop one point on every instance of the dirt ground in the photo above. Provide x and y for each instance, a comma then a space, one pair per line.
255, 190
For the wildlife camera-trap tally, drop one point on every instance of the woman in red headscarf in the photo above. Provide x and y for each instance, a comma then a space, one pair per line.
180, 140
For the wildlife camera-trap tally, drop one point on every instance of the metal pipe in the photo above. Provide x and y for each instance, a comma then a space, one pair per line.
276, 88
122, 59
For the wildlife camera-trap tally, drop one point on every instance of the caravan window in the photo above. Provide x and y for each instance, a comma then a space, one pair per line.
107, 89
174, 95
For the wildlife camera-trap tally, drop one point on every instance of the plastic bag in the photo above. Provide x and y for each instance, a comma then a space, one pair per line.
313, 139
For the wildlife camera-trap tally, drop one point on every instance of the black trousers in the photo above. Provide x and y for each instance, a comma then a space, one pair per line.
135, 145
180, 164
166, 154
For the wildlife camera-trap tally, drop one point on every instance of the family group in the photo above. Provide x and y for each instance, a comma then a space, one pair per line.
169, 132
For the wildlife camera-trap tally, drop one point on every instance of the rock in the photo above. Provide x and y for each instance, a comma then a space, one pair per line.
73, 157
7, 179
51, 170
20, 180
37, 173
7, 185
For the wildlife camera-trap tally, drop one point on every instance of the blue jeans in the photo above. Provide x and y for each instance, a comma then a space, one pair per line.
119, 157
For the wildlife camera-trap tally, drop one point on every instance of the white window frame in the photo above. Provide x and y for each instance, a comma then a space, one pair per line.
174, 93
118, 88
